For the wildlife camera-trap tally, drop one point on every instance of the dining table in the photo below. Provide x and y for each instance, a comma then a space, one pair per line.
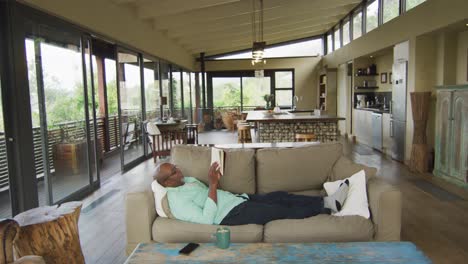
177, 125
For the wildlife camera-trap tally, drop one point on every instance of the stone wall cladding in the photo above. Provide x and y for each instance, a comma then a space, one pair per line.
285, 132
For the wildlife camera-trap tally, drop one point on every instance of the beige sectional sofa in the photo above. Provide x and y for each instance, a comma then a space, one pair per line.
297, 170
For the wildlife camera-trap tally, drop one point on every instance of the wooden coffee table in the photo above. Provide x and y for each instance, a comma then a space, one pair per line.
356, 252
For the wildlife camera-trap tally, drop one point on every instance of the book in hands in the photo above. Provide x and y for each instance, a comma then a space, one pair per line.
217, 155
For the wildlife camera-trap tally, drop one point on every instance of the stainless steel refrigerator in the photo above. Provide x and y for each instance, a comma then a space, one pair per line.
398, 109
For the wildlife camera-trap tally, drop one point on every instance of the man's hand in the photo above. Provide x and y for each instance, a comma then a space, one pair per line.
214, 174
213, 178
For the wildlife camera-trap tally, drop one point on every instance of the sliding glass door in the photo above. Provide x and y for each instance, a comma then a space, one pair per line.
62, 113
5, 198
131, 107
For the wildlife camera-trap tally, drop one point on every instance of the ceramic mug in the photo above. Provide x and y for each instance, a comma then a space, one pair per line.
222, 237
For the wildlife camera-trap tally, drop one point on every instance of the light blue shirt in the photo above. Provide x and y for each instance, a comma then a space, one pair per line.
190, 202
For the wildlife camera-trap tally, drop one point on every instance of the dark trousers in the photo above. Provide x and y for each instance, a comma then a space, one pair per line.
261, 209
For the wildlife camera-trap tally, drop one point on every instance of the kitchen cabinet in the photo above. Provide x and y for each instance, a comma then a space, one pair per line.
451, 139
386, 134
363, 126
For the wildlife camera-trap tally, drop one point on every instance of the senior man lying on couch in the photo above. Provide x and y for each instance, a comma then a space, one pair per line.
191, 200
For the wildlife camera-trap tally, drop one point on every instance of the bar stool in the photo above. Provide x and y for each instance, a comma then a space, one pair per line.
304, 137
243, 134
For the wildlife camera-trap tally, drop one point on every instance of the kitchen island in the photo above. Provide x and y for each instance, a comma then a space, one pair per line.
282, 127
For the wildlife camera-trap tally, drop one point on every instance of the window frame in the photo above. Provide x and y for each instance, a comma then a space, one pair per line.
366, 6
346, 20
337, 29
382, 10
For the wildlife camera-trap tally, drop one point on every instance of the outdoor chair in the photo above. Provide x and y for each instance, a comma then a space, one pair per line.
128, 129
161, 143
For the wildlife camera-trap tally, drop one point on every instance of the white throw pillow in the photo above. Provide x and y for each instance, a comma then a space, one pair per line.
159, 193
356, 202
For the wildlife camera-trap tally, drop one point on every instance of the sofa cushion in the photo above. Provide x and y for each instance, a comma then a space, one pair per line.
295, 169
320, 228
344, 168
167, 230
193, 161
239, 166
239, 171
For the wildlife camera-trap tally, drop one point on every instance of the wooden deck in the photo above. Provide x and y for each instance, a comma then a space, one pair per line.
66, 184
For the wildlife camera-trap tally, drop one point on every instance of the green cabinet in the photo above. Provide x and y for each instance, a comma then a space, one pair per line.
451, 138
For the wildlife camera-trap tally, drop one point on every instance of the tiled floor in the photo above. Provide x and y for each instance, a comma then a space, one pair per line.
435, 220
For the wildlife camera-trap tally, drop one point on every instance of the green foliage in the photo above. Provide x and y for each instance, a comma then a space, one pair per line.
227, 94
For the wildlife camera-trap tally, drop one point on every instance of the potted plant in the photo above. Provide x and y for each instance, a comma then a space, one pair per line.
268, 100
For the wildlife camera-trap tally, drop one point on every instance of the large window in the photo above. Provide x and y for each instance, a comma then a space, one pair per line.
337, 38
151, 85
413, 3
242, 91
313, 47
58, 116
372, 15
357, 24
187, 92
391, 9
176, 88
346, 37
131, 107
284, 88
329, 43
253, 91
165, 72
227, 92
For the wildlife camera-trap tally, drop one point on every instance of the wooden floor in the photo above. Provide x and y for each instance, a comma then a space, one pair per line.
435, 220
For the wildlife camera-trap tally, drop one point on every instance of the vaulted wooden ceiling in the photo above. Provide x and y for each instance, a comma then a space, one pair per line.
219, 26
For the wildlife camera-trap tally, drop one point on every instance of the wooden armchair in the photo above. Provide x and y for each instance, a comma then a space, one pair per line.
228, 120
161, 142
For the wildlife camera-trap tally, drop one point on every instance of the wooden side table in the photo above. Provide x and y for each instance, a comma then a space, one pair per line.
50, 232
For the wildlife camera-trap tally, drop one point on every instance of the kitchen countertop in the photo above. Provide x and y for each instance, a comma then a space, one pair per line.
259, 116
375, 110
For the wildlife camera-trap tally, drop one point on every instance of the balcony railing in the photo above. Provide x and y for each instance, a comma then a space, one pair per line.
61, 132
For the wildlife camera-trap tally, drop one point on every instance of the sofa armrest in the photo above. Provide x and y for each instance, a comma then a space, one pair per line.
139, 217
385, 206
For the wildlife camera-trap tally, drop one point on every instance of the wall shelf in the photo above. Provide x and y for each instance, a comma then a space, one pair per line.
364, 75
366, 87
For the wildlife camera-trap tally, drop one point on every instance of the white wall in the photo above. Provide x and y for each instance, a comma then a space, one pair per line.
118, 23
462, 58
342, 98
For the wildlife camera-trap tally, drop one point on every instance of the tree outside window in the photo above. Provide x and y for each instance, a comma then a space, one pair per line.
357, 25
413, 3
391, 9
372, 17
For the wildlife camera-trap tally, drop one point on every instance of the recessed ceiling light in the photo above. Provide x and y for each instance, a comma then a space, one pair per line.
372, 56
467, 24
